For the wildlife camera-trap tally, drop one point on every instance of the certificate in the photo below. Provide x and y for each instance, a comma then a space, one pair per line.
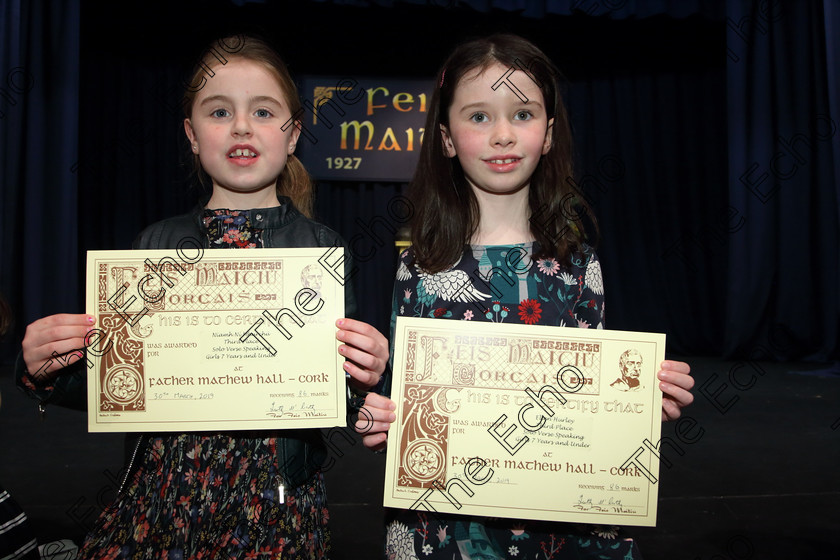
215, 339
525, 422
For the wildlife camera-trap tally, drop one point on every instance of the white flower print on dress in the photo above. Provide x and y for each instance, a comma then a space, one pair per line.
402, 272
513, 551
399, 544
605, 532
427, 549
593, 277
448, 285
567, 278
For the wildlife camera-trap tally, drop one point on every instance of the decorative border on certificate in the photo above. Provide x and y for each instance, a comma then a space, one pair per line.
122, 377
523, 421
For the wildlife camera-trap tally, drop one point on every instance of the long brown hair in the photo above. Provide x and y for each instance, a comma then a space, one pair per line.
294, 182
446, 209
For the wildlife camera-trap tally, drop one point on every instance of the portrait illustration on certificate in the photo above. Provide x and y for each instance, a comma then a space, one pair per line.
211, 339
524, 421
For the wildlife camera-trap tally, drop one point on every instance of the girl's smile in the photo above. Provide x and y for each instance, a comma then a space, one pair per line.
503, 164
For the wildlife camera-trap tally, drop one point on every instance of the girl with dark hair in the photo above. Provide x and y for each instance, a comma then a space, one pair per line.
494, 180
228, 494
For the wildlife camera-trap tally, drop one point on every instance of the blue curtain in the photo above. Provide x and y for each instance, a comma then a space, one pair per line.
39, 131
716, 184
784, 179
651, 167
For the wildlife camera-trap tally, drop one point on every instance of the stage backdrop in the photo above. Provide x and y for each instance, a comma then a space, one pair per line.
680, 111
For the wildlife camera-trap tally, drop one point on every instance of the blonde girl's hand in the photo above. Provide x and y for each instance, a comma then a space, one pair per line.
62, 334
676, 382
375, 419
366, 350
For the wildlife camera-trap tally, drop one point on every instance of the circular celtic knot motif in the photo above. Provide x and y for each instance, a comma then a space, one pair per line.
424, 460
123, 384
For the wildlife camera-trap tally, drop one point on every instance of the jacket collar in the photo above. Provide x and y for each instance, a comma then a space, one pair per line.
266, 218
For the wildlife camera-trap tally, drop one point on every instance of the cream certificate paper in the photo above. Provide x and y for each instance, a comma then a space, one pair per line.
213, 339
524, 421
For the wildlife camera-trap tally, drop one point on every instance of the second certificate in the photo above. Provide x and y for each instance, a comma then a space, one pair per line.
525, 422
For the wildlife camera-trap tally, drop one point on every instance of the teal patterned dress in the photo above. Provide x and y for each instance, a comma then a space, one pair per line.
508, 287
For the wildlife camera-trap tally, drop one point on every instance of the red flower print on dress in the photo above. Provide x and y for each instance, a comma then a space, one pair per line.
141, 531
231, 236
530, 311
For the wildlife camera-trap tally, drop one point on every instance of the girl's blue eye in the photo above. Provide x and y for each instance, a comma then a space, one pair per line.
523, 115
478, 117
220, 113
263, 113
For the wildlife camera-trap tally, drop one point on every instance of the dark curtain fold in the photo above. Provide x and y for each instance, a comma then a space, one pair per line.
39, 101
784, 180
134, 167
368, 216
651, 167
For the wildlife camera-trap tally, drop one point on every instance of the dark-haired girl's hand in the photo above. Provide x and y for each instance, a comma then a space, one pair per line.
375, 419
676, 382
366, 350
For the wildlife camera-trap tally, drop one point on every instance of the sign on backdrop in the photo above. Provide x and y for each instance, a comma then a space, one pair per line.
367, 129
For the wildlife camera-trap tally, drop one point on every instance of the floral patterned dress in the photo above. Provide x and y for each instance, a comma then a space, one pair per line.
514, 288
213, 495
